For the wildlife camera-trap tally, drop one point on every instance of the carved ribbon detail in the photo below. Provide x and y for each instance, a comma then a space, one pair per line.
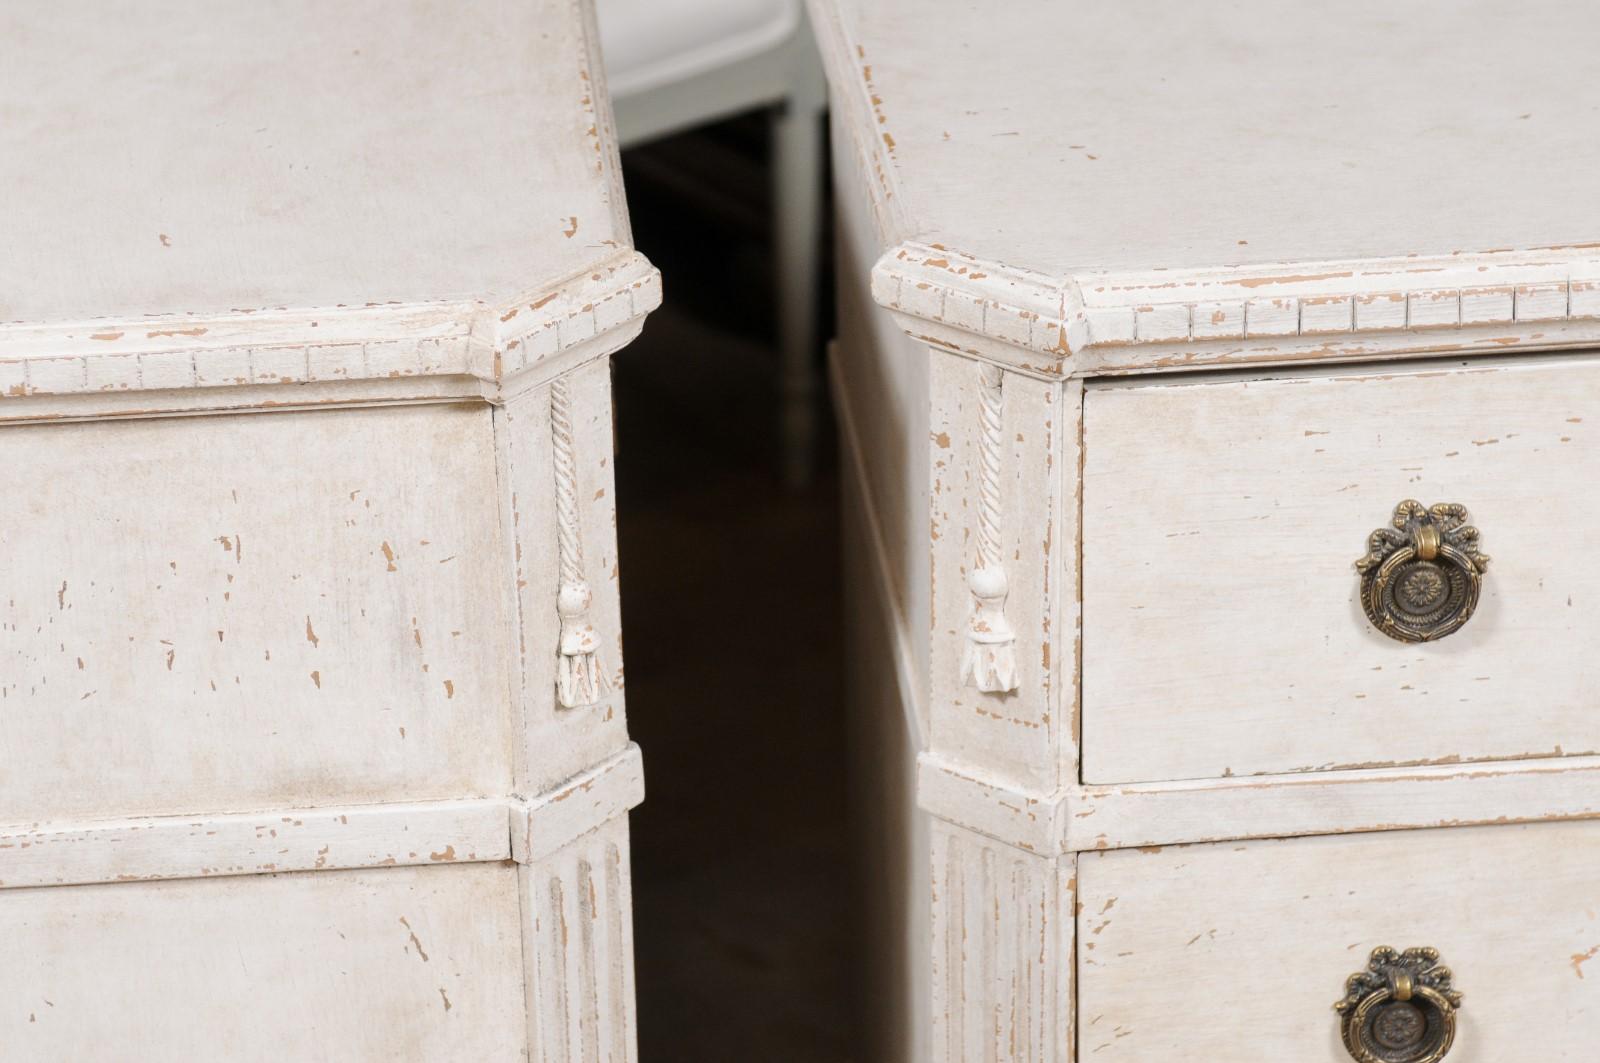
579, 679
989, 660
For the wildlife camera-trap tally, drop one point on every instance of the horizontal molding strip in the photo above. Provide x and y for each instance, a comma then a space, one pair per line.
1487, 301
254, 843
316, 839
1083, 818
301, 346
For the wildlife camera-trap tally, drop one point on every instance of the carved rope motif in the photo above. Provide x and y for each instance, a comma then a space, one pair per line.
579, 679
989, 661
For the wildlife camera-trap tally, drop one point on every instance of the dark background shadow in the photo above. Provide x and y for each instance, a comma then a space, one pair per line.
731, 617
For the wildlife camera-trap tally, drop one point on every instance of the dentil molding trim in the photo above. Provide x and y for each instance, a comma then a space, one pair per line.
495, 344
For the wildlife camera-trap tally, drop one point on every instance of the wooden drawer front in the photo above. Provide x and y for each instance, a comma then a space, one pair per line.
235, 612
1223, 630
1237, 953
398, 964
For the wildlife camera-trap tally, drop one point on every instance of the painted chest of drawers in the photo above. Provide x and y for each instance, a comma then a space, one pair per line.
1193, 361
312, 741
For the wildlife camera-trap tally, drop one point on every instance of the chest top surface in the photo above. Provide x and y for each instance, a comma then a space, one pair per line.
1155, 141
180, 158
1073, 135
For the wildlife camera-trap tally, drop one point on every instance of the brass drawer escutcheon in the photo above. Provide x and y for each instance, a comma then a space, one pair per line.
1401, 1009
1420, 578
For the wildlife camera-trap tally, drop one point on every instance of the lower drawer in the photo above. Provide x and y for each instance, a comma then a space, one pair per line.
1236, 953
357, 966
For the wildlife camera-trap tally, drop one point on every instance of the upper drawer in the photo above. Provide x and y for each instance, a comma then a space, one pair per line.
251, 611
1223, 628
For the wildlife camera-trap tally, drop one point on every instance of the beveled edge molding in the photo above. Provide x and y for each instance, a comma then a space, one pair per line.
963, 797
1083, 818
344, 837
586, 802
1162, 319
274, 346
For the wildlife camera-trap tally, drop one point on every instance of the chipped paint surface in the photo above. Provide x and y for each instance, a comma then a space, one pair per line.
91, 370
340, 938
1306, 451
1318, 906
248, 600
1233, 749
281, 526
319, 199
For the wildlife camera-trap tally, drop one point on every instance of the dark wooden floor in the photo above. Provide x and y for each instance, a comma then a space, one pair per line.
731, 624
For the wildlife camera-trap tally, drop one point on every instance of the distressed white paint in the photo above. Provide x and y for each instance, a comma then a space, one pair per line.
1078, 817
879, 381
582, 804
1380, 135
1138, 209
278, 555
1237, 952
1025, 735
357, 155
251, 611
385, 834
1002, 935
403, 963
1044, 219
577, 933
242, 843
888, 716
1223, 633
558, 742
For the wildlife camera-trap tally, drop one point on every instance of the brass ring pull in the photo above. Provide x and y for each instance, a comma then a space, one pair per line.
1401, 1009
1420, 578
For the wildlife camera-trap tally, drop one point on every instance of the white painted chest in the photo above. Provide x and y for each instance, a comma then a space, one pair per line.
1215, 350
312, 741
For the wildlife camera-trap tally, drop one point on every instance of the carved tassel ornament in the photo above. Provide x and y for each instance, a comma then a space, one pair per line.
579, 678
989, 660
